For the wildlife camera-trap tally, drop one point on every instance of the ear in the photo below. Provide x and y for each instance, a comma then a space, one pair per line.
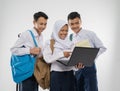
80, 21
68, 22
34, 22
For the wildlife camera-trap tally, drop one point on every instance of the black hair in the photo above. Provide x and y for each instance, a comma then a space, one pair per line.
73, 15
39, 14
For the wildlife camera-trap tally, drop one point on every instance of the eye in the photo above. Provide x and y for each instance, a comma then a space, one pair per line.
72, 24
77, 23
64, 30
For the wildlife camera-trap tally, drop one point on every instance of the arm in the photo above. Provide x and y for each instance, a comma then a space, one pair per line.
49, 57
98, 44
18, 48
25, 45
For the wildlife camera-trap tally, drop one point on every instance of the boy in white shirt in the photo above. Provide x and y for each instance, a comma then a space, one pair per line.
25, 39
86, 77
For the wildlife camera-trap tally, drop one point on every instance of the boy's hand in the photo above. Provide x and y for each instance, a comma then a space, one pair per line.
35, 50
79, 66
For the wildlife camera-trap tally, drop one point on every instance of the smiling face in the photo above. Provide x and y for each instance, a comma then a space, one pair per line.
40, 24
75, 24
63, 32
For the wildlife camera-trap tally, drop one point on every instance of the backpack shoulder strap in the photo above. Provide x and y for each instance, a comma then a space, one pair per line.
71, 37
52, 42
33, 38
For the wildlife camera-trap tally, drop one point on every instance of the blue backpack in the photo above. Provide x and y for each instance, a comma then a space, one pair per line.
23, 66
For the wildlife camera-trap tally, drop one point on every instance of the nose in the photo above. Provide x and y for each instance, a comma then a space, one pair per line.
74, 25
43, 26
65, 32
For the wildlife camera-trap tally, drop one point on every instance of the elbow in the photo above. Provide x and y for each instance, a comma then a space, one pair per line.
104, 49
13, 50
47, 60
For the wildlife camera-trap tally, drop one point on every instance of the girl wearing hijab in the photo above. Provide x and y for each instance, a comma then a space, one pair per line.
62, 77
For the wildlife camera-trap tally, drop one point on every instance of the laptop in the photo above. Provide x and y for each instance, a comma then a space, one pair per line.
85, 55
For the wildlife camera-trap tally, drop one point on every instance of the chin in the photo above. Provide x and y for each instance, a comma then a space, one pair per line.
40, 31
62, 38
76, 31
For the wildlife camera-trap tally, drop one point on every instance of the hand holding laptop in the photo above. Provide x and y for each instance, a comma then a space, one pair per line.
79, 66
81, 55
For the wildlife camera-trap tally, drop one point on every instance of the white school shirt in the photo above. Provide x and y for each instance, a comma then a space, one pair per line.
26, 40
57, 55
94, 41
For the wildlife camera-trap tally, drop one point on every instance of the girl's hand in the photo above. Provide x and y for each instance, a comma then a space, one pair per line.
67, 54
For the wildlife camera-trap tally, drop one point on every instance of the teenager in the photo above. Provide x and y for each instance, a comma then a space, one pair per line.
25, 39
86, 77
62, 77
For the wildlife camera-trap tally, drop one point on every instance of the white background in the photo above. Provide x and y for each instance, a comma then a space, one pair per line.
100, 16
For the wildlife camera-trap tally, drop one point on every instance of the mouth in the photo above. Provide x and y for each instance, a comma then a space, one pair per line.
75, 29
41, 30
63, 36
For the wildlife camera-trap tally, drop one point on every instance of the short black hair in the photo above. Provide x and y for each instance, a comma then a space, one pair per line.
39, 14
73, 15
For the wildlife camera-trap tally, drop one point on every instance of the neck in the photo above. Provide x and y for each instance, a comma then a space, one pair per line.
79, 30
39, 33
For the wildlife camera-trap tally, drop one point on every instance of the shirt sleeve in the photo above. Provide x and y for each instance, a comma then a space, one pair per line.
98, 44
18, 48
49, 57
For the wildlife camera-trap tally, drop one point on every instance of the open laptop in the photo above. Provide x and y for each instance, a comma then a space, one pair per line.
85, 55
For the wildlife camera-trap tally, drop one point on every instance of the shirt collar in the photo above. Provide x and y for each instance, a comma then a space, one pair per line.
35, 33
78, 34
